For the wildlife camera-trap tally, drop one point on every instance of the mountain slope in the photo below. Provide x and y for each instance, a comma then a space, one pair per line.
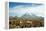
30, 16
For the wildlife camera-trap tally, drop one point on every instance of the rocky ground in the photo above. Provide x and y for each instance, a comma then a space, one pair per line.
25, 24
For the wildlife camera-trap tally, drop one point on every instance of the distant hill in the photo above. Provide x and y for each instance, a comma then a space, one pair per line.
27, 16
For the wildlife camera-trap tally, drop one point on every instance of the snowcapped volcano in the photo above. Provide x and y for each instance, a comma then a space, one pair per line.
28, 15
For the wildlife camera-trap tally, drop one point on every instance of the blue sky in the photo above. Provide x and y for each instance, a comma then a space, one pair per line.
14, 4
19, 9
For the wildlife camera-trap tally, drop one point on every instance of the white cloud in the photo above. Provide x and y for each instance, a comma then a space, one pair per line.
39, 11
20, 10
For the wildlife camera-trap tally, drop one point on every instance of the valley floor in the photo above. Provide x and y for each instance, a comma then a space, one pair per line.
25, 24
